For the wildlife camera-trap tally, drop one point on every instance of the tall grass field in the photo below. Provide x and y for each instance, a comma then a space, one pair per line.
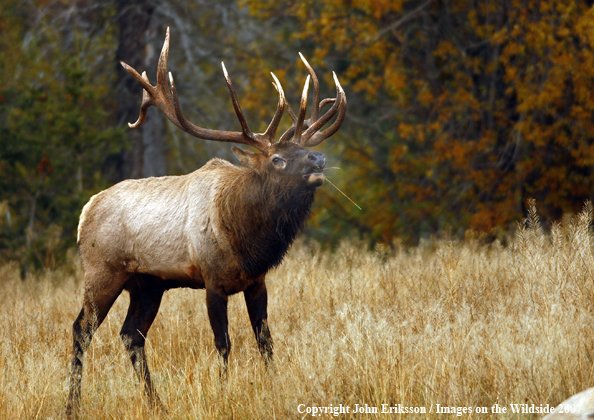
447, 329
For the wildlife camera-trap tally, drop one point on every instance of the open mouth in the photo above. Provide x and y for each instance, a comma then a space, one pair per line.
315, 178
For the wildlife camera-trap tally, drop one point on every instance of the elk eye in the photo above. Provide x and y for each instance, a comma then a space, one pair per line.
278, 161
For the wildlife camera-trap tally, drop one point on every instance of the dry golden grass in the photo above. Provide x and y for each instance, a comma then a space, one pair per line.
449, 322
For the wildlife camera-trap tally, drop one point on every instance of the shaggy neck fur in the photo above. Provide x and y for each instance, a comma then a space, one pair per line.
262, 215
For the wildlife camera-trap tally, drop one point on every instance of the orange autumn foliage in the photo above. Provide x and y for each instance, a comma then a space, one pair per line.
459, 112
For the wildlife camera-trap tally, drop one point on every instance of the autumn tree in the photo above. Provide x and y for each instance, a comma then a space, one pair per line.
459, 111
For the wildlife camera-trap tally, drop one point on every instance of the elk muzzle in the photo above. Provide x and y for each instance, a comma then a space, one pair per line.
316, 163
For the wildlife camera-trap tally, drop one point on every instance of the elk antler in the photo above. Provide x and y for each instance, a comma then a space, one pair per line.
165, 99
312, 136
304, 132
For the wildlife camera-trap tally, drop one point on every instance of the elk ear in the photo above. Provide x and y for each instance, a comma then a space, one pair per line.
246, 158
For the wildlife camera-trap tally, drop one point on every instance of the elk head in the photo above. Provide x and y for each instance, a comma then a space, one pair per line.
288, 155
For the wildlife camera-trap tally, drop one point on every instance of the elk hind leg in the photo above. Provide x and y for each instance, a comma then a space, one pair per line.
145, 299
92, 314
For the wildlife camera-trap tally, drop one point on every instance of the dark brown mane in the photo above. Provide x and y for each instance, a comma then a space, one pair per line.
263, 216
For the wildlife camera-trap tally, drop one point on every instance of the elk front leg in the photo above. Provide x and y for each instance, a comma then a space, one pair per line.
256, 299
216, 303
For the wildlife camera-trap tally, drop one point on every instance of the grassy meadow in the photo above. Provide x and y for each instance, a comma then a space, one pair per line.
449, 322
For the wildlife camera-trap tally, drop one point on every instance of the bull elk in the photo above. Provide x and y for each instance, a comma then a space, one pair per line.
220, 228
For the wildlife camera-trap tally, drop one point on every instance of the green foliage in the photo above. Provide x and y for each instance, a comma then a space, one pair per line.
56, 132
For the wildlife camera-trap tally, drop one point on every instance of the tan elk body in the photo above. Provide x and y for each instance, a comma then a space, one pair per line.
166, 226
219, 228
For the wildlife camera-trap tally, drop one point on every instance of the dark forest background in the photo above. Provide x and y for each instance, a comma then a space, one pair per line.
459, 111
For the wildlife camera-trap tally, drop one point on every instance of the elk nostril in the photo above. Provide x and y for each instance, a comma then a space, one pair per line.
317, 158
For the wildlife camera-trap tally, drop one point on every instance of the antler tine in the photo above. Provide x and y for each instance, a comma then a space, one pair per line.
316, 90
244, 125
313, 137
326, 101
273, 126
287, 135
291, 113
302, 110
146, 101
205, 133
162, 64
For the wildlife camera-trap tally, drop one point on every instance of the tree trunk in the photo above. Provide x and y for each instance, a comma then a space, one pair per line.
138, 30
